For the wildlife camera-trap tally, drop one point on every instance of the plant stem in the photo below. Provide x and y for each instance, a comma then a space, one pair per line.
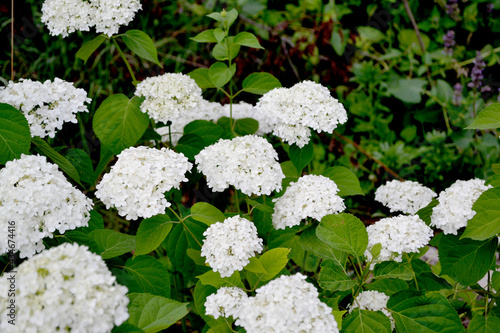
125, 60
487, 296
445, 110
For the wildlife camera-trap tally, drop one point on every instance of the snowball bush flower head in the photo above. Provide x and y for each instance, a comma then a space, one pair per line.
408, 196
46, 105
455, 205
374, 301
287, 304
66, 288
38, 198
136, 184
225, 303
249, 163
169, 96
229, 245
311, 196
397, 235
109, 15
297, 134
63, 17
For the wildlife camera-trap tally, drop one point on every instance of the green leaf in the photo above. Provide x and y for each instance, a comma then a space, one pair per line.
82, 163
496, 168
219, 35
15, 135
151, 233
148, 276
479, 324
457, 256
387, 286
119, 122
206, 213
488, 118
246, 126
247, 39
301, 157
343, 232
486, 223
177, 245
260, 83
392, 269
408, 90
216, 16
220, 74
289, 170
408, 40
426, 313
190, 145
371, 34
222, 53
214, 279
201, 292
361, 321
206, 36
154, 313
310, 242
346, 180
127, 328
495, 281
262, 207
426, 212
333, 277
112, 243
230, 17
89, 47
208, 131
142, 45
201, 77
57, 158
255, 266
274, 261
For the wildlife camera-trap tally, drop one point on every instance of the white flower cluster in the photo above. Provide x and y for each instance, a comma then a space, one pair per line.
225, 303
169, 96
46, 105
38, 198
287, 304
137, 182
408, 196
229, 245
311, 196
305, 105
455, 205
374, 301
63, 17
397, 235
250, 163
66, 288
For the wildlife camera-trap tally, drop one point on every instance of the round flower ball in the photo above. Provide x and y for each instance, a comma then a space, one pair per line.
46, 106
229, 245
63, 289
455, 205
63, 17
35, 201
408, 196
397, 235
136, 184
287, 304
109, 15
311, 196
169, 96
249, 163
225, 302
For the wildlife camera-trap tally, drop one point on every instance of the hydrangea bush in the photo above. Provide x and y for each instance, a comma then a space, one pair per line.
204, 215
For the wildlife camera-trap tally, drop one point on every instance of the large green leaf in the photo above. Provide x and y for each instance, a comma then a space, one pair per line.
269, 264
141, 44
206, 36
488, 118
151, 233
387, 286
208, 131
343, 232
364, 321
425, 313
333, 277
480, 324
371, 34
112, 243
119, 122
206, 213
190, 145
408, 90
392, 269
82, 163
214, 279
201, 77
486, 223
346, 180
246, 126
426, 212
459, 255
221, 51
310, 242
247, 39
220, 74
148, 275
301, 157
154, 313
15, 137
177, 250
260, 83
408, 39
89, 47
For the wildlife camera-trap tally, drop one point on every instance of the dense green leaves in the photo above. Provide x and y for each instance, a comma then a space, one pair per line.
147, 275
141, 44
260, 83
364, 321
333, 277
310, 242
480, 324
89, 47
486, 223
151, 233
392, 269
346, 180
15, 134
343, 232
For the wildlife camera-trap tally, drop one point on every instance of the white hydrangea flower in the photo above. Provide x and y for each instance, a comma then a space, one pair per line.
66, 288
249, 163
229, 245
63, 17
136, 184
169, 96
297, 134
397, 235
225, 303
408, 196
39, 200
109, 15
311, 196
47, 106
455, 205
287, 304
373, 300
